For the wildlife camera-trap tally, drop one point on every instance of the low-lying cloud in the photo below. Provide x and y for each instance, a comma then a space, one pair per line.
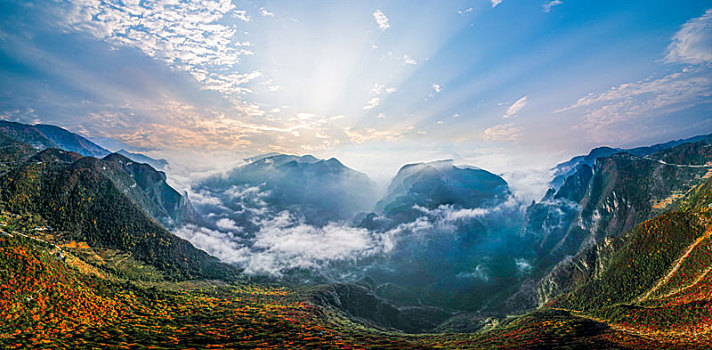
282, 243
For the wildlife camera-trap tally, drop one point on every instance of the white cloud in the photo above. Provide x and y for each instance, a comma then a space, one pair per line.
266, 13
379, 89
502, 132
283, 244
516, 107
409, 60
381, 19
479, 273
227, 224
496, 2
620, 103
437, 87
372, 103
528, 183
467, 10
448, 214
188, 36
651, 97
693, 42
523, 266
549, 4
241, 15
361, 135
214, 243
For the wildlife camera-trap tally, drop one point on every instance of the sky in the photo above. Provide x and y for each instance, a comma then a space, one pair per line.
510, 86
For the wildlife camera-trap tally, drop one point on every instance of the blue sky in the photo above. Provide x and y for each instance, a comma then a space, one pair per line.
511, 86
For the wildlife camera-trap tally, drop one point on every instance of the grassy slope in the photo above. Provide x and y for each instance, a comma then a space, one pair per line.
658, 284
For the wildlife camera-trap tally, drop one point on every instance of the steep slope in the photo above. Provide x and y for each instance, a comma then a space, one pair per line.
48, 136
148, 188
144, 185
12, 152
619, 192
602, 201
564, 170
77, 195
654, 279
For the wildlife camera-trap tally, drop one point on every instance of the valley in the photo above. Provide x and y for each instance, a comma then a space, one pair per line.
447, 257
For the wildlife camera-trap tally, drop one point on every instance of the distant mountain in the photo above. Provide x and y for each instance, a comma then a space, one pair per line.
433, 184
318, 190
615, 194
564, 170
142, 183
42, 136
568, 168
158, 164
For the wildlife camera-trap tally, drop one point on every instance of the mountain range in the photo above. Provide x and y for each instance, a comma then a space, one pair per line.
615, 255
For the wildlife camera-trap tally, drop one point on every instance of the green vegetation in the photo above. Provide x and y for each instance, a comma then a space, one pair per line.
79, 198
85, 264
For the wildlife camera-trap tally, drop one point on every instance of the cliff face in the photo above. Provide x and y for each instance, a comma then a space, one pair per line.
573, 227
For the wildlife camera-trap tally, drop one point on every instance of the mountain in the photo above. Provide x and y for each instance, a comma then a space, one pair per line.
42, 136
317, 190
602, 201
453, 235
90, 200
619, 192
158, 164
654, 278
564, 170
13, 152
433, 184
148, 188
618, 256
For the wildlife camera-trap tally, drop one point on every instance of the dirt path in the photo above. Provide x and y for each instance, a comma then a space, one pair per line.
676, 267
680, 165
695, 282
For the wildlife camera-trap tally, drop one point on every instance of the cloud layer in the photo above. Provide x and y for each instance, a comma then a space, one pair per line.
693, 42
189, 36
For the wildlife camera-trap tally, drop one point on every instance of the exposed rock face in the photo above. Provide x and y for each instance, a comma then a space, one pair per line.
148, 188
574, 270
573, 225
